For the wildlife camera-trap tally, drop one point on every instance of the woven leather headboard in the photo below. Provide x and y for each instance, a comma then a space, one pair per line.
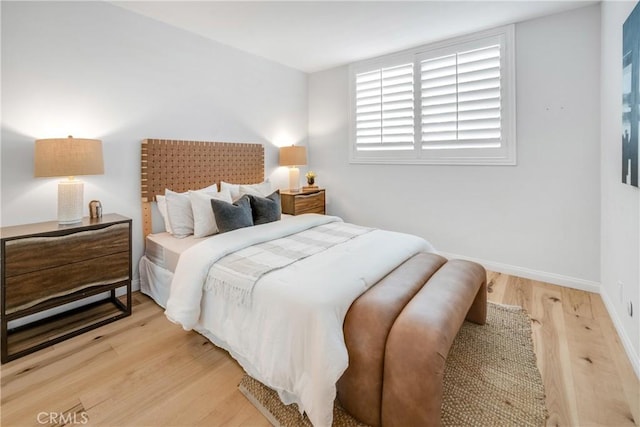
190, 165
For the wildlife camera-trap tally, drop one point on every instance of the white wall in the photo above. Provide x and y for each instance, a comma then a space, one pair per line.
94, 70
539, 219
620, 241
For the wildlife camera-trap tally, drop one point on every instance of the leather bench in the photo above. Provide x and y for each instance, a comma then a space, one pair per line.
398, 335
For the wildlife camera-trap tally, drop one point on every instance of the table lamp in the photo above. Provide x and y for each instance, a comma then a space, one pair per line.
293, 156
68, 157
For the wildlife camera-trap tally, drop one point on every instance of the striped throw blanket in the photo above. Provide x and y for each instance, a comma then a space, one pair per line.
235, 275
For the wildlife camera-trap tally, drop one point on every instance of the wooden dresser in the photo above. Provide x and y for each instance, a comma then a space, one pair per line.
304, 201
47, 265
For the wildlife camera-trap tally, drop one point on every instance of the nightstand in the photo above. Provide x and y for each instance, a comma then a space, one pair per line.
47, 265
304, 201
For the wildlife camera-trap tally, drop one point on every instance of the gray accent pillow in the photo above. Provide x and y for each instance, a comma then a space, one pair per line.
266, 209
232, 216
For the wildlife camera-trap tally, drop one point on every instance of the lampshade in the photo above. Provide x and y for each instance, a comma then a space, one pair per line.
293, 156
68, 157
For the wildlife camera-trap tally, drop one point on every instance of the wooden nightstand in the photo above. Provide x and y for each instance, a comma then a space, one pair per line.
47, 265
304, 201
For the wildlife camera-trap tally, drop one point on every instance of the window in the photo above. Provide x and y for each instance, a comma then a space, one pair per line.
447, 103
384, 109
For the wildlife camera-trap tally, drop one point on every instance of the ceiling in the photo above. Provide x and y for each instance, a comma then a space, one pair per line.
316, 35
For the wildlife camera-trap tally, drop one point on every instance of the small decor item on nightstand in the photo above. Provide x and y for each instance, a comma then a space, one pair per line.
95, 209
311, 179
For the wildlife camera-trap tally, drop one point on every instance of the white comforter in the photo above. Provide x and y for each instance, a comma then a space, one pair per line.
291, 338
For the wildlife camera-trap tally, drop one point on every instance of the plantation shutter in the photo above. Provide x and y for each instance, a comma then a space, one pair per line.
460, 100
384, 109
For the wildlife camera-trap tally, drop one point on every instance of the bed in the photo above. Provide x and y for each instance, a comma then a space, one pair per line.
305, 328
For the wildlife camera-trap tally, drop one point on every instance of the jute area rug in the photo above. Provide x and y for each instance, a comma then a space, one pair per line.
490, 379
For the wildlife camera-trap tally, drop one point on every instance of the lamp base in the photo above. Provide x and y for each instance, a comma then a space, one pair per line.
70, 193
294, 179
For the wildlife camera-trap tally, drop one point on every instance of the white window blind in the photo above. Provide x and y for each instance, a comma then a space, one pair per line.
384, 109
451, 102
461, 100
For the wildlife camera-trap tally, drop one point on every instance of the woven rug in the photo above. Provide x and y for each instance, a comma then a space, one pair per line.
490, 379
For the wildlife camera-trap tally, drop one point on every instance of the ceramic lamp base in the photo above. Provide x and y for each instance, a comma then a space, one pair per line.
294, 179
70, 194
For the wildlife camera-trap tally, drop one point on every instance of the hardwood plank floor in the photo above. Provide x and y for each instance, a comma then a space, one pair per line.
145, 371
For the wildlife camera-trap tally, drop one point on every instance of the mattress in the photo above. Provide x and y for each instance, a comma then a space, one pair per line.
157, 265
161, 254
164, 250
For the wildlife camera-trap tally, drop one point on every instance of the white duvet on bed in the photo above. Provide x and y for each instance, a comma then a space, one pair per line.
291, 337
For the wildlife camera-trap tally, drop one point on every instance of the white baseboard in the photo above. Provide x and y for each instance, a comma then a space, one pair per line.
569, 282
542, 276
135, 285
626, 342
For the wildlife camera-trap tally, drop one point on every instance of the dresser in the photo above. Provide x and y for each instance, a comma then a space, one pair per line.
47, 266
304, 201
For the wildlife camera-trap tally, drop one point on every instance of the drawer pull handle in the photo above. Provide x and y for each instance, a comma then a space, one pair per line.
308, 196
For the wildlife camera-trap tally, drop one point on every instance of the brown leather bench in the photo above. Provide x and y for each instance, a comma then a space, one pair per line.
398, 335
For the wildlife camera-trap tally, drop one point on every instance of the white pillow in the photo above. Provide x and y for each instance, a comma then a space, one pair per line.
236, 189
180, 214
179, 211
162, 207
213, 188
204, 222
261, 190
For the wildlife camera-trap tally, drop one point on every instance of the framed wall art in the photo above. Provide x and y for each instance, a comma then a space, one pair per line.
631, 97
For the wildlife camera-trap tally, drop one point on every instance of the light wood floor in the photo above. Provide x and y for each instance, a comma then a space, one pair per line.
145, 371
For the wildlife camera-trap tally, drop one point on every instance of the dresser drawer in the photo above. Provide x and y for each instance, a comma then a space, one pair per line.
43, 252
310, 203
26, 290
